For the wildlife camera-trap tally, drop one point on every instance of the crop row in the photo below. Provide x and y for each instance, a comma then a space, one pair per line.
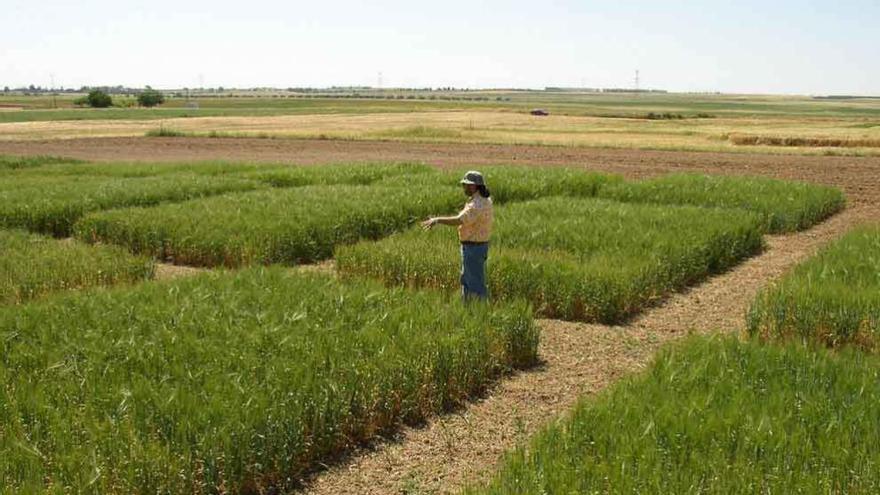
576, 259
275, 226
715, 416
9, 162
831, 299
276, 174
52, 205
53, 202
786, 206
518, 183
32, 266
232, 382
776, 414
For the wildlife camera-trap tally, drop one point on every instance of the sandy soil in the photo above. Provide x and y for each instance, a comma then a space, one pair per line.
167, 271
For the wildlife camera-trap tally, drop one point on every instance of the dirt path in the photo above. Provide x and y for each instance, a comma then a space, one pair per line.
167, 271
578, 359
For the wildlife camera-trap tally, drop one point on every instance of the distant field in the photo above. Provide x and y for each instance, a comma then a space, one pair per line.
564, 103
790, 125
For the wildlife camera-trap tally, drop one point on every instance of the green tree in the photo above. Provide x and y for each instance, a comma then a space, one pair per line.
150, 97
98, 99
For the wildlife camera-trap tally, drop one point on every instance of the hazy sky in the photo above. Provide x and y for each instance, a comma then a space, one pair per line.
806, 47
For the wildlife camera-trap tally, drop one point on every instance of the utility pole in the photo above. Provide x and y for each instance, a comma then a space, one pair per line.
637, 81
52, 84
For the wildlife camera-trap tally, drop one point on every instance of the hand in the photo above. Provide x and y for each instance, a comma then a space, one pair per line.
429, 223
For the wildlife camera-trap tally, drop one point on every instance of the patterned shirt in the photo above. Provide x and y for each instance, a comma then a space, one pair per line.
476, 219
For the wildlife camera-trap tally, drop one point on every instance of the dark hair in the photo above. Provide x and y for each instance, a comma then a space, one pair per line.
484, 191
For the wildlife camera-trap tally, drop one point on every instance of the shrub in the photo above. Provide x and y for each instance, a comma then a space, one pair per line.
232, 382
98, 99
149, 97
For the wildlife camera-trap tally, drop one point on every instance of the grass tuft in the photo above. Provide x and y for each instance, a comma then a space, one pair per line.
163, 131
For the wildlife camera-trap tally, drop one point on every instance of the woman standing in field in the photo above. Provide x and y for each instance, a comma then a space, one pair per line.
474, 224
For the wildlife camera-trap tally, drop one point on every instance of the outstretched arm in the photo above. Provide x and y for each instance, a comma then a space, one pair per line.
429, 223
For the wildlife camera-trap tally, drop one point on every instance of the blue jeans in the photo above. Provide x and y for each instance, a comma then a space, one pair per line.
473, 271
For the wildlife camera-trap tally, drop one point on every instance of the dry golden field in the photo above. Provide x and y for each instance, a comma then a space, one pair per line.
810, 135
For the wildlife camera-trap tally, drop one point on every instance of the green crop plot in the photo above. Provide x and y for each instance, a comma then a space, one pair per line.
519, 183
353, 174
52, 204
141, 169
715, 416
235, 382
9, 162
576, 259
278, 175
32, 266
787, 206
275, 226
831, 299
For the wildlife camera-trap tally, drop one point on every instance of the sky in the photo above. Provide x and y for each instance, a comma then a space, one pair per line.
782, 47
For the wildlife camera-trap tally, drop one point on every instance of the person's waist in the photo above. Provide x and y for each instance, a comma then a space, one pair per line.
474, 243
